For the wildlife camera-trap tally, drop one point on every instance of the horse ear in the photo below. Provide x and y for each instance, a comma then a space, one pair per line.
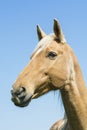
40, 33
58, 32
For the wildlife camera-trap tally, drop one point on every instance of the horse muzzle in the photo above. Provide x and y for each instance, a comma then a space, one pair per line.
20, 97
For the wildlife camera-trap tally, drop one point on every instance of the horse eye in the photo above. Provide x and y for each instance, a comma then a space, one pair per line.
51, 55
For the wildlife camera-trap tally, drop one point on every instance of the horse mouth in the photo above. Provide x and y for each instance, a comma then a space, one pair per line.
20, 103
20, 99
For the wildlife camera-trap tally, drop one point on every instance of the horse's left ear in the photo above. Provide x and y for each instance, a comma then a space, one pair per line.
40, 33
58, 32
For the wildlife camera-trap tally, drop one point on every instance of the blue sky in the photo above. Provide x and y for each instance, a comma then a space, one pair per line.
18, 20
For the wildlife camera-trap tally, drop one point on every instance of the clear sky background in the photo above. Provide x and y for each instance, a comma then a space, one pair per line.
18, 20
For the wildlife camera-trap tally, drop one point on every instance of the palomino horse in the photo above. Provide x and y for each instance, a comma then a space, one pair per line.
53, 66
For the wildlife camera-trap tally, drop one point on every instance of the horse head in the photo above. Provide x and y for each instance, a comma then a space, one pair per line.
49, 68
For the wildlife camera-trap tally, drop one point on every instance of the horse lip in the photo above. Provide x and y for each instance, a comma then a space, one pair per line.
21, 102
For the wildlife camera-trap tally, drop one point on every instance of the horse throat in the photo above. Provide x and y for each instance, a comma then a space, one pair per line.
74, 97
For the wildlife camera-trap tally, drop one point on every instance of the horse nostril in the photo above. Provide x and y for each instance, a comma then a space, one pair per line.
18, 92
46, 73
12, 92
22, 89
21, 93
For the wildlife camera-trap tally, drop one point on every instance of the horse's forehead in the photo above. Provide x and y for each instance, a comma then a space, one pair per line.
44, 43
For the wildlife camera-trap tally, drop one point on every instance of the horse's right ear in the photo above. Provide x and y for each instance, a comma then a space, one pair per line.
40, 33
58, 32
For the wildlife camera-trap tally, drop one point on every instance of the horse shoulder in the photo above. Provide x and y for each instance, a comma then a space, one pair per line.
60, 125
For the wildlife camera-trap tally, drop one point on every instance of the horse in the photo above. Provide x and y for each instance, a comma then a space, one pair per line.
54, 66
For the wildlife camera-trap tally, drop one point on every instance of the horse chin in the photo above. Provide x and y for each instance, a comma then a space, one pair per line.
24, 104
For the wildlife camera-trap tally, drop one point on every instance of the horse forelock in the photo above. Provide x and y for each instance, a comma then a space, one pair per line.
43, 43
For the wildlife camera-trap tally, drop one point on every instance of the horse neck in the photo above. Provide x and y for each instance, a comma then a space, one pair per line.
74, 98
